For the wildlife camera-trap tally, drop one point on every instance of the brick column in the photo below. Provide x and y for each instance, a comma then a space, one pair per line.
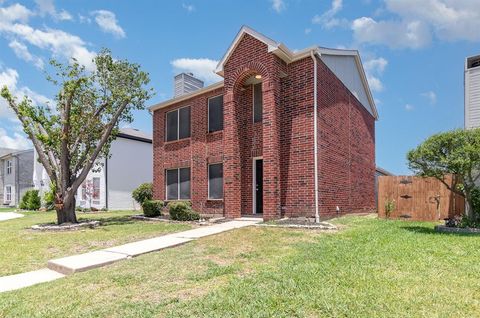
271, 150
231, 157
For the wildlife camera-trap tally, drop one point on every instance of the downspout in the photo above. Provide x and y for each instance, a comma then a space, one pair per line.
315, 132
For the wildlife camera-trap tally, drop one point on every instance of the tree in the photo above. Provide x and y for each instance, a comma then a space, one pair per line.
454, 152
72, 135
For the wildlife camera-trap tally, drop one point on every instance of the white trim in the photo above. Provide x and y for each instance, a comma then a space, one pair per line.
9, 167
208, 114
5, 200
178, 123
254, 184
178, 184
186, 96
208, 182
315, 137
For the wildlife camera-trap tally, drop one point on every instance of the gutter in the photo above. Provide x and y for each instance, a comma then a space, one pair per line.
315, 131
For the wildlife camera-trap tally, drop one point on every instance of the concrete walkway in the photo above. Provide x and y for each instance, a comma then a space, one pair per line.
58, 268
4, 216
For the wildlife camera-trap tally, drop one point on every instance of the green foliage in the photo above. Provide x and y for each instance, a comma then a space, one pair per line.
30, 201
152, 208
49, 198
454, 152
143, 193
182, 211
389, 207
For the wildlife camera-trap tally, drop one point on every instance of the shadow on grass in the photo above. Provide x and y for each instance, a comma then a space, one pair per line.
428, 230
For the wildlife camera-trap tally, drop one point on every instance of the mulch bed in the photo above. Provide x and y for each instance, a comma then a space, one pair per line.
460, 230
65, 226
301, 223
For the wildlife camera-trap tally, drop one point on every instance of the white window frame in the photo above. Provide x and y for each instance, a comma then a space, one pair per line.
178, 184
253, 103
99, 189
208, 182
208, 114
178, 123
8, 194
9, 166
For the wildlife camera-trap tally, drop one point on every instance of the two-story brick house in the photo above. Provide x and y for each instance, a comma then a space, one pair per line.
284, 134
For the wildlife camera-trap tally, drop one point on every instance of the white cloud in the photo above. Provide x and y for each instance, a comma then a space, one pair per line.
308, 30
48, 7
22, 52
408, 107
202, 68
328, 20
431, 96
108, 23
415, 23
374, 68
84, 19
188, 7
14, 13
17, 141
278, 5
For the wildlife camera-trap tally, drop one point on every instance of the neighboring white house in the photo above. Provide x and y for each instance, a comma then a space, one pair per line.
472, 92
110, 187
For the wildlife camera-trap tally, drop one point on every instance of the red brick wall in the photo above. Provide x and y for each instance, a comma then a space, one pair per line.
346, 149
284, 139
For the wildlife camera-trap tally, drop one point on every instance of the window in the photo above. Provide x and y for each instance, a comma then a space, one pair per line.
8, 193
178, 124
215, 113
84, 191
96, 188
178, 184
215, 181
9, 166
257, 103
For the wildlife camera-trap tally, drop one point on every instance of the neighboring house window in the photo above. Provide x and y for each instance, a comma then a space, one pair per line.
178, 184
178, 124
215, 181
215, 113
8, 193
9, 166
96, 189
84, 191
257, 103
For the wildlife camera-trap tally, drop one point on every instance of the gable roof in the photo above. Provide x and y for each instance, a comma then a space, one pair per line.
288, 56
134, 134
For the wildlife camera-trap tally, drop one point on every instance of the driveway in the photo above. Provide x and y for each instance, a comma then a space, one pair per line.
4, 216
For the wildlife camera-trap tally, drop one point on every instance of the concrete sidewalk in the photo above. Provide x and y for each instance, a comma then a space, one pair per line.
58, 268
4, 216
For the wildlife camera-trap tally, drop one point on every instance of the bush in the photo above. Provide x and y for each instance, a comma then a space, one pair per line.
49, 198
152, 208
182, 211
30, 201
143, 193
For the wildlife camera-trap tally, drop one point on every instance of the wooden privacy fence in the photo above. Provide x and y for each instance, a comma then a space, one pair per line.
417, 198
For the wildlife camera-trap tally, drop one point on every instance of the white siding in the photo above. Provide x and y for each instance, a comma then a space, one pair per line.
131, 164
472, 98
346, 70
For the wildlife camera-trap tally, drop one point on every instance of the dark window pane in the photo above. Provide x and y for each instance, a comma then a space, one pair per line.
257, 103
172, 184
172, 125
215, 114
185, 183
215, 181
184, 124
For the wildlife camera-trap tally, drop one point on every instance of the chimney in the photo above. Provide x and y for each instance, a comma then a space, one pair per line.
185, 83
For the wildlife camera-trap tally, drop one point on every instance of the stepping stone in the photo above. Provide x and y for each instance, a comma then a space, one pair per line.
147, 246
84, 262
13, 282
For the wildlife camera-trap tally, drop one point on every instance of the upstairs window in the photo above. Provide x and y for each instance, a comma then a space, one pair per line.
215, 113
9, 166
257, 103
178, 184
178, 124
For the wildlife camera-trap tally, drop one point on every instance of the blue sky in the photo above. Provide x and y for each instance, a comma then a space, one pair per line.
413, 51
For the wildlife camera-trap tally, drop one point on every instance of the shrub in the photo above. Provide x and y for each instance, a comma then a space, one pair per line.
30, 201
49, 198
152, 208
389, 207
143, 193
182, 211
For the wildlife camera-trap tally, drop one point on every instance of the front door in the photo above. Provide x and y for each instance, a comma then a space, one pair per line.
258, 190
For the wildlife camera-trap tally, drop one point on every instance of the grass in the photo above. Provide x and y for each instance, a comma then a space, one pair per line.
371, 268
22, 249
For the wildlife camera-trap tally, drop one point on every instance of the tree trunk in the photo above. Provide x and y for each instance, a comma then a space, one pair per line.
66, 212
469, 207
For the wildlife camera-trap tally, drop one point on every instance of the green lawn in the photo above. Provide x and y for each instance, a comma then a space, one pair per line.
22, 249
371, 268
